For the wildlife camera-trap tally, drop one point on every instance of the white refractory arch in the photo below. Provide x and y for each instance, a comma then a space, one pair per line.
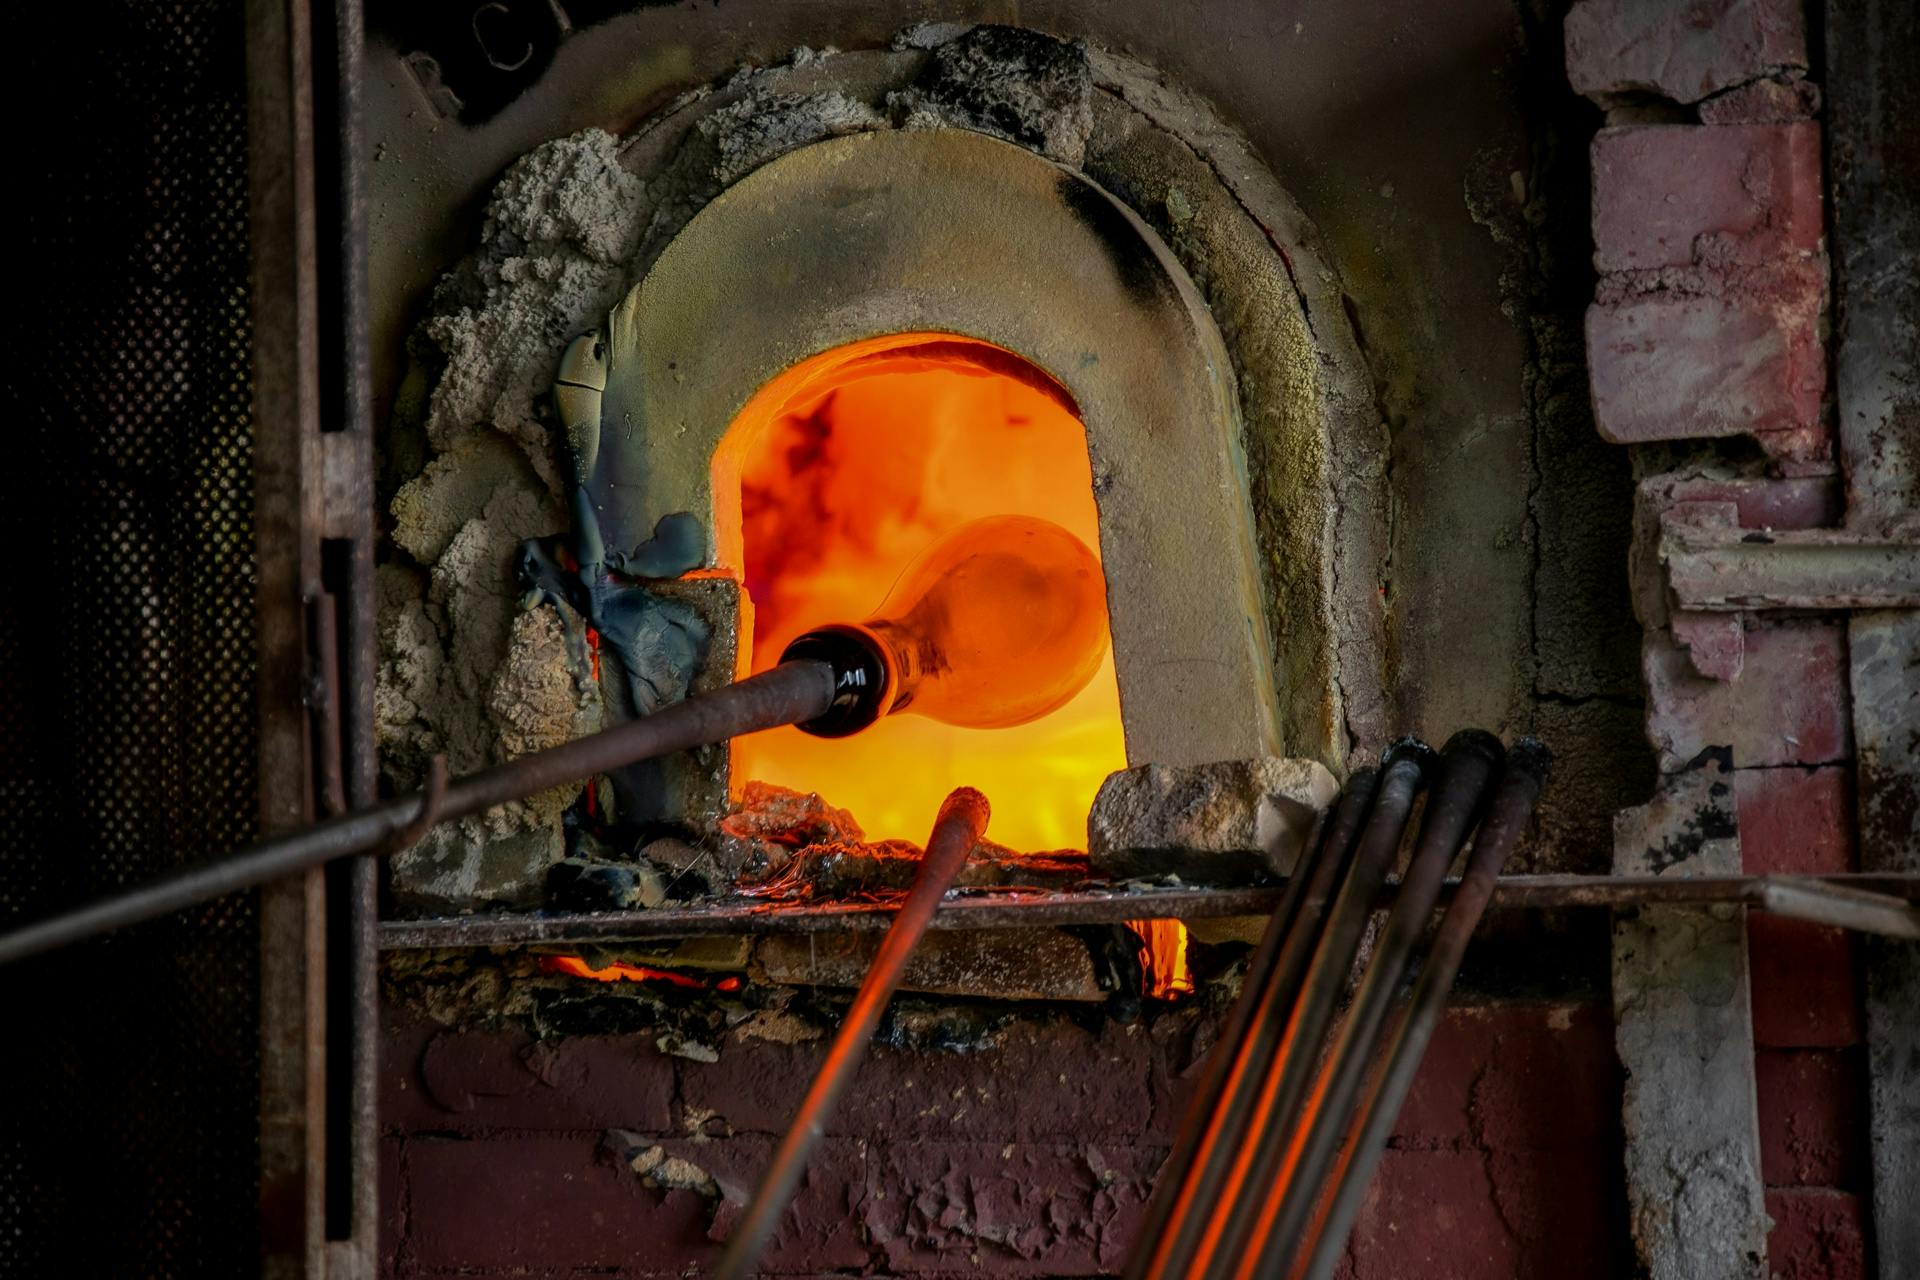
948, 231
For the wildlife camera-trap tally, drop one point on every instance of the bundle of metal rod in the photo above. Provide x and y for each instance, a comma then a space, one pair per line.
791, 693
1347, 869
1318, 1251
962, 821
1226, 1066
1242, 1194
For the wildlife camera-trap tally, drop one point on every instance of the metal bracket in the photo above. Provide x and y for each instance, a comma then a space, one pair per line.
1715, 566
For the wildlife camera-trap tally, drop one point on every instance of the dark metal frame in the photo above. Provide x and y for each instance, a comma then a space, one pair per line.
1873, 170
314, 525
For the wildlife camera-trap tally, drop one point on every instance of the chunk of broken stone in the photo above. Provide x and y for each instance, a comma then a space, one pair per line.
887, 866
460, 865
690, 872
781, 815
584, 884
657, 1166
1229, 823
989, 964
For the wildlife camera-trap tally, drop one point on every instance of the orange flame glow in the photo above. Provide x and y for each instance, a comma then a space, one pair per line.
845, 468
1163, 958
620, 971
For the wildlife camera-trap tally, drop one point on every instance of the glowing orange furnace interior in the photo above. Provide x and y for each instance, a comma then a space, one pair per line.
845, 468
828, 484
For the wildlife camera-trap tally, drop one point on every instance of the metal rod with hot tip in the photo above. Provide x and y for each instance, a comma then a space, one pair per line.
1288, 1171
1268, 991
1292, 1022
1289, 1085
1511, 810
962, 821
791, 693
1308, 889
831, 681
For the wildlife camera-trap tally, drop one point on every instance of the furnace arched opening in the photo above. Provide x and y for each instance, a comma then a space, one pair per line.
859, 239
847, 466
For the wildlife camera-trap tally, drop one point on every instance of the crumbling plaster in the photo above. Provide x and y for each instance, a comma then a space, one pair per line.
1500, 592
571, 223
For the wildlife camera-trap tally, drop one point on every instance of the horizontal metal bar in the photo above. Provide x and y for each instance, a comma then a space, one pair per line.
1715, 568
1882, 904
790, 693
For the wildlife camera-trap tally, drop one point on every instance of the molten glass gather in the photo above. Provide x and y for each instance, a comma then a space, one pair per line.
998, 624
854, 465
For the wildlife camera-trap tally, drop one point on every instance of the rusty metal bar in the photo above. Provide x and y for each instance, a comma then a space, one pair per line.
961, 823
791, 692
1268, 992
992, 909
1310, 1101
1273, 1085
1725, 568
1507, 817
347, 477
286, 547
1299, 914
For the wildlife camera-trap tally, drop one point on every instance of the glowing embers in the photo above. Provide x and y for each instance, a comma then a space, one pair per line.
1163, 958
846, 468
620, 971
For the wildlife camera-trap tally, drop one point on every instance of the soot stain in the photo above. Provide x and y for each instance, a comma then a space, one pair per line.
1131, 257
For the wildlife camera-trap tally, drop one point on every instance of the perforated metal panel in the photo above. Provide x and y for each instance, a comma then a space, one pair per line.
129, 1081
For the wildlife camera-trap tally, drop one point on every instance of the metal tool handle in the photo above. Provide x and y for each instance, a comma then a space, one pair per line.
790, 693
962, 821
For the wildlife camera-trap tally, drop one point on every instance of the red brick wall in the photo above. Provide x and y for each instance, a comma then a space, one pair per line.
1709, 321
1029, 1158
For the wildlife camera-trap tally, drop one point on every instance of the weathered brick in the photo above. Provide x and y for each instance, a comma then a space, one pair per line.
568, 1205
1796, 820
1012, 1209
1036, 1082
1680, 51
535, 1203
1667, 367
1806, 503
1813, 1121
1716, 643
405, 1105
1464, 1214
756, 1085
1712, 195
1775, 100
1789, 706
505, 1080
1516, 1076
1176, 1066
1806, 989
821, 1230
1432, 1214
1817, 1235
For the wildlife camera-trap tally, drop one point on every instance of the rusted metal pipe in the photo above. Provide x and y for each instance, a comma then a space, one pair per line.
962, 821
1288, 1171
1292, 1022
788, 694
1512, 808
1228, 1067
1891, 895
1841, 906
